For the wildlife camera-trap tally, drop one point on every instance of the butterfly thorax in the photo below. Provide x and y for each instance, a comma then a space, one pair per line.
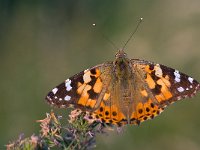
121, 66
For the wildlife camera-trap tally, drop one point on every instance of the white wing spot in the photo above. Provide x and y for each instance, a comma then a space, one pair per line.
67, 97
86, 77
55, 90
86, 70
179, 98
190, 79
177, 76
191, 86
60, 99
180, 89
55, 97
49, 98
68, 84
158, 70
187, 89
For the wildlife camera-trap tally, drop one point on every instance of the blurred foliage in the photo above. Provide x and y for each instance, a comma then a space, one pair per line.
44, 42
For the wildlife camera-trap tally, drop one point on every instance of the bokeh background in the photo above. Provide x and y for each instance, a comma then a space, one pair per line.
44, 42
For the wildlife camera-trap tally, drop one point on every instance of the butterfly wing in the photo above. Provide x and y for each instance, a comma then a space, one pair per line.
156, 87
83, 90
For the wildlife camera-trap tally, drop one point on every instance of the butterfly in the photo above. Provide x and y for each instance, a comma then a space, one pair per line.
124, 91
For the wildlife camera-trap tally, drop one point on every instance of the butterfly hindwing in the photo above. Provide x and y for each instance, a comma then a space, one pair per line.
111, 111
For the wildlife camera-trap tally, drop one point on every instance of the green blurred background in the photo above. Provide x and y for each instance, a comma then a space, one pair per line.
44, 42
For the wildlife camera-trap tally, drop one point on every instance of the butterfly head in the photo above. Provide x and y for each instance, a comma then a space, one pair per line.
120, 54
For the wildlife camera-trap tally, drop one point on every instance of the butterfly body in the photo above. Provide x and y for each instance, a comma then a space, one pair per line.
124, 91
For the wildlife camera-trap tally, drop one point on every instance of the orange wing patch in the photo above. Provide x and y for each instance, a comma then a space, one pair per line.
144, 93
145, 111
164, 89
110, 114
106, 96
150, 82
91, 103
84, 95
91, 86
98, 86
157, 83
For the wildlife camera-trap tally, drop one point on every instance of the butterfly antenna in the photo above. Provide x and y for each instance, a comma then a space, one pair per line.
139, 22
106, 38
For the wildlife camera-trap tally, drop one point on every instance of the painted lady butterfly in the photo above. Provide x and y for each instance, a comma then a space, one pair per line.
124, 91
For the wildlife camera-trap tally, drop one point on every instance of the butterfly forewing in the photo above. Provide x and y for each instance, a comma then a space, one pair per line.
81, 90
166, 84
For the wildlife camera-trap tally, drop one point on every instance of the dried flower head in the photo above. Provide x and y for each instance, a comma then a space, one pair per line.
79, 133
